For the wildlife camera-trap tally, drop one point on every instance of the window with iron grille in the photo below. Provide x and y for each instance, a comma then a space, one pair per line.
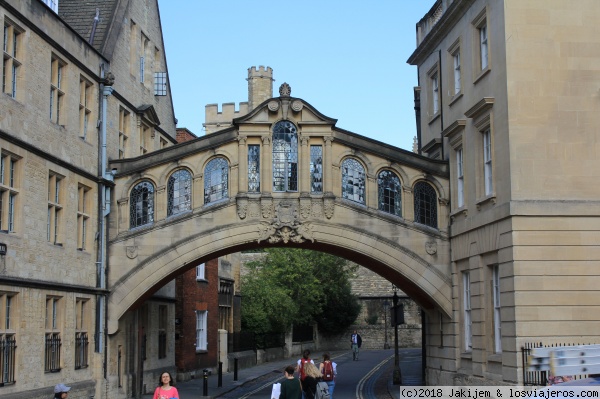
285, 157
353, 180
141, 209
81, 333
425, 204
179, 192
316, 169
253, 168
53, 340
390, 193
467, 310
160, 83
497, 309
216, 175
8, 342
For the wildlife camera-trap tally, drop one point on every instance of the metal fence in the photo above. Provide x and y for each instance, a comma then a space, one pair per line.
8, 347
540, 377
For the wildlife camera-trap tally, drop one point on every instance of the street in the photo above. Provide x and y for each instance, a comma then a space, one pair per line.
367, 378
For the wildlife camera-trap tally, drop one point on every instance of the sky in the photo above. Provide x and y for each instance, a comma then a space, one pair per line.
347, 58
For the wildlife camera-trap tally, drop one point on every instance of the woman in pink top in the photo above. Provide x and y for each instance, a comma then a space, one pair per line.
165, 390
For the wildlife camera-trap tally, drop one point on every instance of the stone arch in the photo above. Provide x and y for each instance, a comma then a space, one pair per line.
172, 168
439, 188
364, 160
135, 179
422, 279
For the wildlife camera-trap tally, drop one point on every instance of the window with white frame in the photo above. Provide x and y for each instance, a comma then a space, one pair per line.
8, 342
435, 93
487, 161
201, 333
124, 121
57, 93
460, 179
83, 216
11, 66
9, 190
85, 106
483, 45
497, 309
467, 310
55, 207
456, 71
200, 272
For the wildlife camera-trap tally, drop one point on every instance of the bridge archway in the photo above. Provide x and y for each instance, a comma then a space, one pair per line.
324, 206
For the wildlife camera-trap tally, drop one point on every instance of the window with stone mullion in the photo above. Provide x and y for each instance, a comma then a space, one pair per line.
388, 186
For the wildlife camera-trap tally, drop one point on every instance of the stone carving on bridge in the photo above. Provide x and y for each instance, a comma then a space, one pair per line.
266, 206
131, 252
285, 90
285, 227
328, 205
242, 207
431, 247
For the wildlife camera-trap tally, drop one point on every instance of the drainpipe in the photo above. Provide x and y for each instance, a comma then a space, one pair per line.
104, 209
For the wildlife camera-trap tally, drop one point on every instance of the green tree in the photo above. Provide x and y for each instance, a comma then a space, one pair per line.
295, 286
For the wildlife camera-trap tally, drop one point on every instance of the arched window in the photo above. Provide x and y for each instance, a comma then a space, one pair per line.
215, 180
141, 205
285, 157
388, 186
179, 192
353, 180
425, 204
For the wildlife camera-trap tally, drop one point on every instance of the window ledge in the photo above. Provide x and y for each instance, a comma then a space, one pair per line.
201, 351
489, 198
456, 97
482, 74
434, 117
462, 211
495, 358
467, 355
201, 280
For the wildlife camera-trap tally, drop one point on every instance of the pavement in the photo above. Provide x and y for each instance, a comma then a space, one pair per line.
256, 376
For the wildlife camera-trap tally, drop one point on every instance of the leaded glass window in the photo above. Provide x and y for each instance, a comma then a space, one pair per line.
216, 174
389, 197
179, 192
425, 204
353, 180
285, 157
316, 169
253, 168
141, 208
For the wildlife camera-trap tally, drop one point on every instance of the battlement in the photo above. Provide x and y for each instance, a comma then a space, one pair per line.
216, 120
261, 72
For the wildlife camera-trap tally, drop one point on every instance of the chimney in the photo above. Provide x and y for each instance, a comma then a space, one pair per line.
260, 85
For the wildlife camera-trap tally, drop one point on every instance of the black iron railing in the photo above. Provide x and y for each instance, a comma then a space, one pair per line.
540, 377
52, 353
8, 348
81, 350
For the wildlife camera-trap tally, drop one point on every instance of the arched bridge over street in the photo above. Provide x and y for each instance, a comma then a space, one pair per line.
282, 175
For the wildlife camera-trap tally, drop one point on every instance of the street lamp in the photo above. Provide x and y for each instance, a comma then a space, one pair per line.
397, 378
386, 307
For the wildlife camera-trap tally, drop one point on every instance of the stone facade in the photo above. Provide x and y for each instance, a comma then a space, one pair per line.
520, 116
52, 277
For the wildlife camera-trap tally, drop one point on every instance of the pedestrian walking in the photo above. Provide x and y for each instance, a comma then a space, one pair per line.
165, 388
291, 388
312, 375
328, 369
356, 342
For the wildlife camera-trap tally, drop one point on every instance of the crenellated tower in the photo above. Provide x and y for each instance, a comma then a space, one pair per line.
260, 85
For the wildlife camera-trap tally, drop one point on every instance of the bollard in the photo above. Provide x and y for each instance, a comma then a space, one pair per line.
205, 386
235, 367
220, 380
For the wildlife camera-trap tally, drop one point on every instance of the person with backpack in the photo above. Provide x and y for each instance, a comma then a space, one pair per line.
300, 366
312, 376
329, 370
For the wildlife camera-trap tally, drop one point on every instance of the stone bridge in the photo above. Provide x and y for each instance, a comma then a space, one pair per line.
282, 175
